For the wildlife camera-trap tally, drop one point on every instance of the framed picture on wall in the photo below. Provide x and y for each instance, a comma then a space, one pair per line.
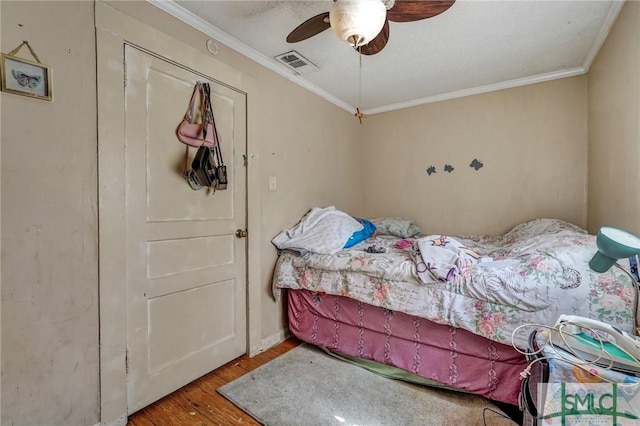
23, 77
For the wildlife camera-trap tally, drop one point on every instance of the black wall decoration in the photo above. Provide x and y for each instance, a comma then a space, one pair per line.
475, 164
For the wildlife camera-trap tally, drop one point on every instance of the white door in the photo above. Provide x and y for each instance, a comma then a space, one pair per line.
186, 269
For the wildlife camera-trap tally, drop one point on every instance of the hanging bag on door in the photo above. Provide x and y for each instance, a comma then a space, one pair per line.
221, 169
204, 168
196, 134
204, 171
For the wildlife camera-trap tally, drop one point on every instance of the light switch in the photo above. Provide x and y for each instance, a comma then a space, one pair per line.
273, 183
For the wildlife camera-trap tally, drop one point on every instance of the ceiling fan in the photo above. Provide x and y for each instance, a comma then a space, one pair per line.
364, 24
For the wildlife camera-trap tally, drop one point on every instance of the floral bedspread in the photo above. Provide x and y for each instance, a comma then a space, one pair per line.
539, 270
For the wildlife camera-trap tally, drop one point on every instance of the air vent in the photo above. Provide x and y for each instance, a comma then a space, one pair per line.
298, 63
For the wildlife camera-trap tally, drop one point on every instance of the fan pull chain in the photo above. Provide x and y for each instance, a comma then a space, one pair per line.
360, 76
358, 113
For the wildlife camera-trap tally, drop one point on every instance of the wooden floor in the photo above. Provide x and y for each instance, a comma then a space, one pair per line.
198, 403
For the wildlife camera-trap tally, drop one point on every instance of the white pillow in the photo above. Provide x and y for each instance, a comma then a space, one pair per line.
322, 230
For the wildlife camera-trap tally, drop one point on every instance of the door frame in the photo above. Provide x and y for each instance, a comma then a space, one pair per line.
114, 29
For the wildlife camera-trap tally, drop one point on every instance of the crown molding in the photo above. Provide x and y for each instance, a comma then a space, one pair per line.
212, 31
480, 89
609, 20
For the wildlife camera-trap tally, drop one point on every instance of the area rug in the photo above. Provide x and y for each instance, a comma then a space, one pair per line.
308, 387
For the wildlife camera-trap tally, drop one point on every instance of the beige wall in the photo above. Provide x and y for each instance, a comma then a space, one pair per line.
49, 325
49, 223
531, 140
614, 127
308, 144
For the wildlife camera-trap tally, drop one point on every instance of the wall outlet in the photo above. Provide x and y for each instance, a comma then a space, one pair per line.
273, 183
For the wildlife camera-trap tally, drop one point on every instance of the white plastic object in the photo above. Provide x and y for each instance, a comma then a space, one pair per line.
357, 22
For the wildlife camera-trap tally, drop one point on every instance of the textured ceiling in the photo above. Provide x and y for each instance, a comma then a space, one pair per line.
476, 46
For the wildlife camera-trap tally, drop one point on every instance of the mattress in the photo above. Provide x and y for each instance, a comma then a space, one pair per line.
529, 275
445, 355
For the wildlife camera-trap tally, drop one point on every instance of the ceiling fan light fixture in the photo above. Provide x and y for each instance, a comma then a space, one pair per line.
357, 22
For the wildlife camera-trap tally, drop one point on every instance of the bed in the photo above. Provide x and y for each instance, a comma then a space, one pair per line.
444, 308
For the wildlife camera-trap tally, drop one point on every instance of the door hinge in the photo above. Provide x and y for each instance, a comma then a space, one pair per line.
245, 160
125, 74
126, 361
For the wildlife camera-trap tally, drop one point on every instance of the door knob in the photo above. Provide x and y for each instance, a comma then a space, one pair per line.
242, 233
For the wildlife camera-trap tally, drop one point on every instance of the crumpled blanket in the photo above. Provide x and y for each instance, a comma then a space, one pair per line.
441, 258
321, 230
530, 274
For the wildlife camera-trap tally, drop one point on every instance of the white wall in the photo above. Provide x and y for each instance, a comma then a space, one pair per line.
531, 141
50, 370
49, 223
308, 144
614, 126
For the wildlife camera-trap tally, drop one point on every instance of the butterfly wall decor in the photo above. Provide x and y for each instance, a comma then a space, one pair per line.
25, 80
475, 164
21, 76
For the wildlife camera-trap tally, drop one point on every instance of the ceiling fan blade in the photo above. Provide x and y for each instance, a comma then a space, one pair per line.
378, 43
309, 28
415, 10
